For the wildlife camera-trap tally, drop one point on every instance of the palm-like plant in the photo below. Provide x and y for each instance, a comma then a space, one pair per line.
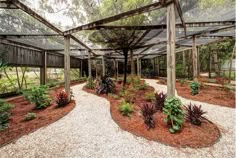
194, 114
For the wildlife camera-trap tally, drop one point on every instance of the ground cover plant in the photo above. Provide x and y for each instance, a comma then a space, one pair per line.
30, 116
126, 108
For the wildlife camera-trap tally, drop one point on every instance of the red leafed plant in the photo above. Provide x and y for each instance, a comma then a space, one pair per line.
160, 99
147, 111
194, 114
61, 99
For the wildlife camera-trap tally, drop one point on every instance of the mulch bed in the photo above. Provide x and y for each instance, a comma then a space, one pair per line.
18, 127
190, 135
207, 94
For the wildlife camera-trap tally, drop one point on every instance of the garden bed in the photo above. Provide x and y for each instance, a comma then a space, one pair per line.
190, 135
18, 127
207, 94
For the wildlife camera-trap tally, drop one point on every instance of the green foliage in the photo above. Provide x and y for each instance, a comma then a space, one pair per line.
30, 116
126, 108
129, 96
194, 87
143, 86
4, 114
39, 96
174, 114
122, 92
182, 82
90, 83
149, 96
180, 70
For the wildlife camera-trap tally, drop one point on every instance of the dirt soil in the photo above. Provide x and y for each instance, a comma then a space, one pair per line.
207, 94
190, 135
18, 127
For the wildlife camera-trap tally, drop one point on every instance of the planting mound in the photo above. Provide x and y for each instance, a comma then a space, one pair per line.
18, 127
190, 135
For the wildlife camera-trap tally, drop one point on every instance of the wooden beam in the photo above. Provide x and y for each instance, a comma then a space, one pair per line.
7, 5
194, 59
67, 66
120, 16
162, 26
171, 51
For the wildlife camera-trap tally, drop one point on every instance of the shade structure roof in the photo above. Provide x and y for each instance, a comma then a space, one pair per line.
18, 24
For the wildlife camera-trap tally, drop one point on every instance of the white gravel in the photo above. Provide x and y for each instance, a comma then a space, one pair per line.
89, 131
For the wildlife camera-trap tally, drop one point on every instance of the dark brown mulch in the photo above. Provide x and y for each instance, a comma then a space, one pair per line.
190, 135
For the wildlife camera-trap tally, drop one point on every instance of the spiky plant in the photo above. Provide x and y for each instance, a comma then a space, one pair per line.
147, 111
160, 99
194, 114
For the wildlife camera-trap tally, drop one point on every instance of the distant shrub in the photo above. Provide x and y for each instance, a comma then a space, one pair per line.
194, 87
4, 114
147, 111
30, 116
39, 96
182, 82
114, 96
106, 85
90, 83
126, 108
129, 96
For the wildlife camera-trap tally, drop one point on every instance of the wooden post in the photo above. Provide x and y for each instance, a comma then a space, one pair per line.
132, 62
96, 68
103, 67
184, 63
158, 66
81, 67
194, 56
198, 62
171, 50
89, 65
138, 69
117, 68
67, 65
215, 57
43, 69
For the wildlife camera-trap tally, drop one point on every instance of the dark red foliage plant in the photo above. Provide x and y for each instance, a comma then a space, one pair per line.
160, 99
194, 114
147, 111
61, 99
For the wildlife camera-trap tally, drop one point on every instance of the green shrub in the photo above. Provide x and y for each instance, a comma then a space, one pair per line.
143, 86
90, 84
126, 108
129, 96
122, 92
149, 96
39, 96
174, 114
194, 87
29, 116
182, 82
4, 114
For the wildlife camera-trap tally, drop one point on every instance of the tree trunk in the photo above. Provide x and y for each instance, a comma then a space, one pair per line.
230, 63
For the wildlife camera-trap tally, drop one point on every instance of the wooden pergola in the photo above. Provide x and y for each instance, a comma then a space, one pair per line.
172, 41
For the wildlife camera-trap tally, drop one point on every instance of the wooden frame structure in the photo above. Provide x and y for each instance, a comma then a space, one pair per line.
172, 6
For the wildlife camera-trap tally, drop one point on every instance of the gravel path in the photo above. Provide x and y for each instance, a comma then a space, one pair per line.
89, 131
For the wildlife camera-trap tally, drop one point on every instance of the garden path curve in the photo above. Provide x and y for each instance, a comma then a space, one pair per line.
89, 131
